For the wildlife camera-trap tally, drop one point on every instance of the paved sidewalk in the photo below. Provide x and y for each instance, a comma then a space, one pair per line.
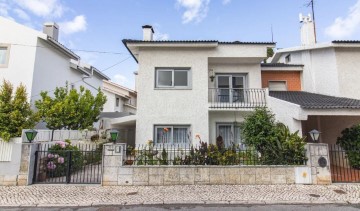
71, 195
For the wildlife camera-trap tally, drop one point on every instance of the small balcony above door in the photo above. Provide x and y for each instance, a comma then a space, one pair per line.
231, 93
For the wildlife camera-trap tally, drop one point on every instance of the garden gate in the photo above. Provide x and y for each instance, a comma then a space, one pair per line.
58, 163
343, 170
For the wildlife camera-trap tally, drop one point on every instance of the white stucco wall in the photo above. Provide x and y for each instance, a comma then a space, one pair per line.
22, 52
172, 107
52, 69
286, 113
348, 63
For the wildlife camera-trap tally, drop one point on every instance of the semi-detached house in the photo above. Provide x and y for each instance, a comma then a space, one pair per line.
195, 88
188, 89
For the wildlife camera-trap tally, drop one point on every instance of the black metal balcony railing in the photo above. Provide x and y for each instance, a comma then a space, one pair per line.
225, 98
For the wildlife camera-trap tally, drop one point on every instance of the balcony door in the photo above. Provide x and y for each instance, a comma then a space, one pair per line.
230, 88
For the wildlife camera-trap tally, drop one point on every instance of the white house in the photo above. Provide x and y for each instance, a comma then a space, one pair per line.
188, 89
37, 60
325, 87
119, 108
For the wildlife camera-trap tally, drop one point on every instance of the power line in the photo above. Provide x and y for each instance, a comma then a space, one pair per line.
79, 50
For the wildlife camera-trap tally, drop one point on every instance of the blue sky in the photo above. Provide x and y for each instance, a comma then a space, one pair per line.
100, 25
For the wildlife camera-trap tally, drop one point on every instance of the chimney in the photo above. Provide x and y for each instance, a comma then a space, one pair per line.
307, 30
52, 30
148, 33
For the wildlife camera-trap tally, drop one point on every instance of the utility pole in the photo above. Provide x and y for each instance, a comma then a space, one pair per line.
311, 3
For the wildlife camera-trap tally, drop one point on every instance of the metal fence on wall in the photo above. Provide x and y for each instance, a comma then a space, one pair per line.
172, 154
79, 165
60, 135
345, 164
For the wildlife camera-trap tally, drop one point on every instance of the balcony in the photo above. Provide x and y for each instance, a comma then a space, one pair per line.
225, 98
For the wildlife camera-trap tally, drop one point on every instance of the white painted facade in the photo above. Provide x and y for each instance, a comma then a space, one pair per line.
190, 106
41, 63
119, 98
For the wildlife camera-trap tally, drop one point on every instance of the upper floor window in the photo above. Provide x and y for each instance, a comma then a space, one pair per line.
172, 78
4, 55
288, 59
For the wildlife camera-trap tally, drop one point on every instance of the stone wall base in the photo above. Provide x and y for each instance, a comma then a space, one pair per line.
198, 175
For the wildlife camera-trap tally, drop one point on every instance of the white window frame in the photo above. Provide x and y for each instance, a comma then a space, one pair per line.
173, 70
172, 133
7, 54
286, 84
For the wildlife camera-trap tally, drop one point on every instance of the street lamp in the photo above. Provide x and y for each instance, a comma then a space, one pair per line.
314, 134
113, 135
31, 134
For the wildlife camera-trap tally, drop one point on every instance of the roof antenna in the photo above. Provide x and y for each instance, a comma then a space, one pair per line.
311, 4
272, 33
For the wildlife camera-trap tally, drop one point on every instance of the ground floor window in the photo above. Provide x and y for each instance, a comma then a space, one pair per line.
172, 134
230, 133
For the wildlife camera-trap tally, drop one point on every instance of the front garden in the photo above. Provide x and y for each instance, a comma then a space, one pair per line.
267, 143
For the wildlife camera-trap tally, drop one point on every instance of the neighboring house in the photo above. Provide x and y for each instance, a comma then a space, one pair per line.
195, 88
119, 108
37, 60
326, 80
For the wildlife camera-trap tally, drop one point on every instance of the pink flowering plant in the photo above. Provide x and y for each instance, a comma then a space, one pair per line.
58, 158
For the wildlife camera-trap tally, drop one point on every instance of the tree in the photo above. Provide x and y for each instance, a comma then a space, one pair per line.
15, 111
70, 109
269, 53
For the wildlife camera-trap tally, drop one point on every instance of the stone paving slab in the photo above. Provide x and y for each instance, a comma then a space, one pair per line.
72, 195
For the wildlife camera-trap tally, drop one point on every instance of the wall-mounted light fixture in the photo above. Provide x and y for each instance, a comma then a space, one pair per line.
212, 75
314, 134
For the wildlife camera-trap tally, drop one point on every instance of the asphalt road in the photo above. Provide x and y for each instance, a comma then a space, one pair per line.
200, 207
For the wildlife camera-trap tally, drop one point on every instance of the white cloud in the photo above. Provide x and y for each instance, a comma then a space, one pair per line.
161, 36
4, 10
225, 2
344, 27
21, 14
78, 24
42, 8
195, 10
120, 79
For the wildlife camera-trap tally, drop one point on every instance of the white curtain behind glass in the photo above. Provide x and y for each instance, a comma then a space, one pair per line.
162, 136
226, 133
180, 135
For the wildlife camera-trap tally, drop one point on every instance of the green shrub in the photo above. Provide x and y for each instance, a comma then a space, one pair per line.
58, 158
350, 142
274, 141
